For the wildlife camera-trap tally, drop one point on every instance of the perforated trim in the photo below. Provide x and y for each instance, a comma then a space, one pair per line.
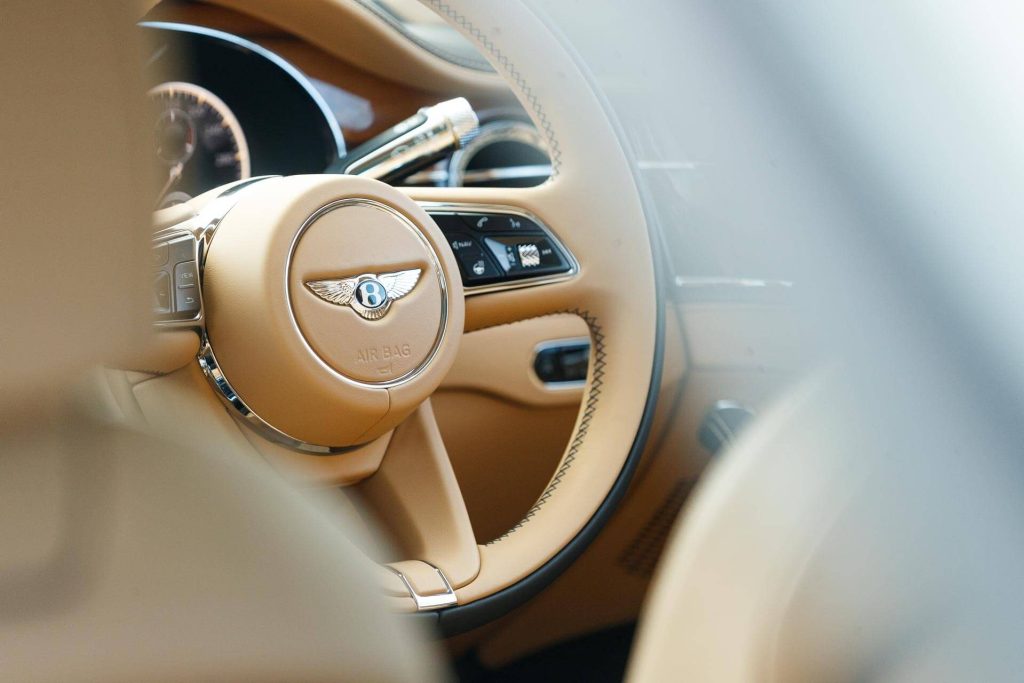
512, 72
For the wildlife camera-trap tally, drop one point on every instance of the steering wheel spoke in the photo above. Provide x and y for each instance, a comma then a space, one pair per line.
415, 495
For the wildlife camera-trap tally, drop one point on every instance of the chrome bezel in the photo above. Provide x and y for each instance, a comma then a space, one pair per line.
202, 94
454, 208
227, 394
439, 273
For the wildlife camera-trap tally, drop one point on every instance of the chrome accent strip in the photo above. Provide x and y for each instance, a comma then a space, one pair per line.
441, 282
446, 208
428, 602
428, 177
440, 176
554, 344
428, 134
227, 394
507, 173
277, 60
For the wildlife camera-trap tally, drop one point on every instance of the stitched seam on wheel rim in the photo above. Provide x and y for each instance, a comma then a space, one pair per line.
512, 72
555, 152
593, 396
475, 63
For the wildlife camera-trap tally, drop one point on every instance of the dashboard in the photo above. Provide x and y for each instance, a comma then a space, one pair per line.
227, 108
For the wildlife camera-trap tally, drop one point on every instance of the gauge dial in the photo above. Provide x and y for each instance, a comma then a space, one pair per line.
198, 141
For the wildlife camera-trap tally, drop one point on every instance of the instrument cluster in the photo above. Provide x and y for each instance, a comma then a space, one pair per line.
228, 109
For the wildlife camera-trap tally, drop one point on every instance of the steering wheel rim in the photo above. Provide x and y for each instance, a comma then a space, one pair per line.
589, 161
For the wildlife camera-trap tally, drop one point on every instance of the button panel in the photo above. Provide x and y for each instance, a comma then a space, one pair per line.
496, 248
176, 279
475, 265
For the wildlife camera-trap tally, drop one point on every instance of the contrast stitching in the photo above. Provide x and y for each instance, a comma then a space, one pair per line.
464, 61
555, 152
593, 396
512, 72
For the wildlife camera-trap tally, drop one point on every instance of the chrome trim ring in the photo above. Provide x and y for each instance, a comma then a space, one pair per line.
448, 208
227, 394
441, 282
170, 88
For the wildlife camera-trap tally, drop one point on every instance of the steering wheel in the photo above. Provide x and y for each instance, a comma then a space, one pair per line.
330, 308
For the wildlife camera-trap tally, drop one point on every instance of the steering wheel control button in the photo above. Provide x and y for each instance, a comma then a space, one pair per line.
162, 293
182, 249
176, 283
502, 222
160, 254
185, 275
448, 222
186, 293
478, 222
527, 255
476, 266
495, 247
186, 301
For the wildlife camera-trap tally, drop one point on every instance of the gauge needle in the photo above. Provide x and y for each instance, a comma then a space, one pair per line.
172, 177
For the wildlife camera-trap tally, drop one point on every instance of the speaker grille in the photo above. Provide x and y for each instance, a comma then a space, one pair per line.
642, 554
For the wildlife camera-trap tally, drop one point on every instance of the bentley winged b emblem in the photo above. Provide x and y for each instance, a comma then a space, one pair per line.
368, 295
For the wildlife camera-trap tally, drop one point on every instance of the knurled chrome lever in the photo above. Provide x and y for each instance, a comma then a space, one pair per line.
412, 144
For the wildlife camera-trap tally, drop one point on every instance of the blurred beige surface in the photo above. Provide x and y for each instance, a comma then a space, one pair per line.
125, 559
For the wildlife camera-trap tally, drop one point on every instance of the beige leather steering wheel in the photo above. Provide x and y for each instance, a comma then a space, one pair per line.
310, 356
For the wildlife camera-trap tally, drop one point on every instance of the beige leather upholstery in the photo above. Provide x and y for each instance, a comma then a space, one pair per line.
351, 31
592, 204
124, 559
847, 536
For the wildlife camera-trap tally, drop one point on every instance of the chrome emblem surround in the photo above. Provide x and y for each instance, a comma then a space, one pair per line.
369, 295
